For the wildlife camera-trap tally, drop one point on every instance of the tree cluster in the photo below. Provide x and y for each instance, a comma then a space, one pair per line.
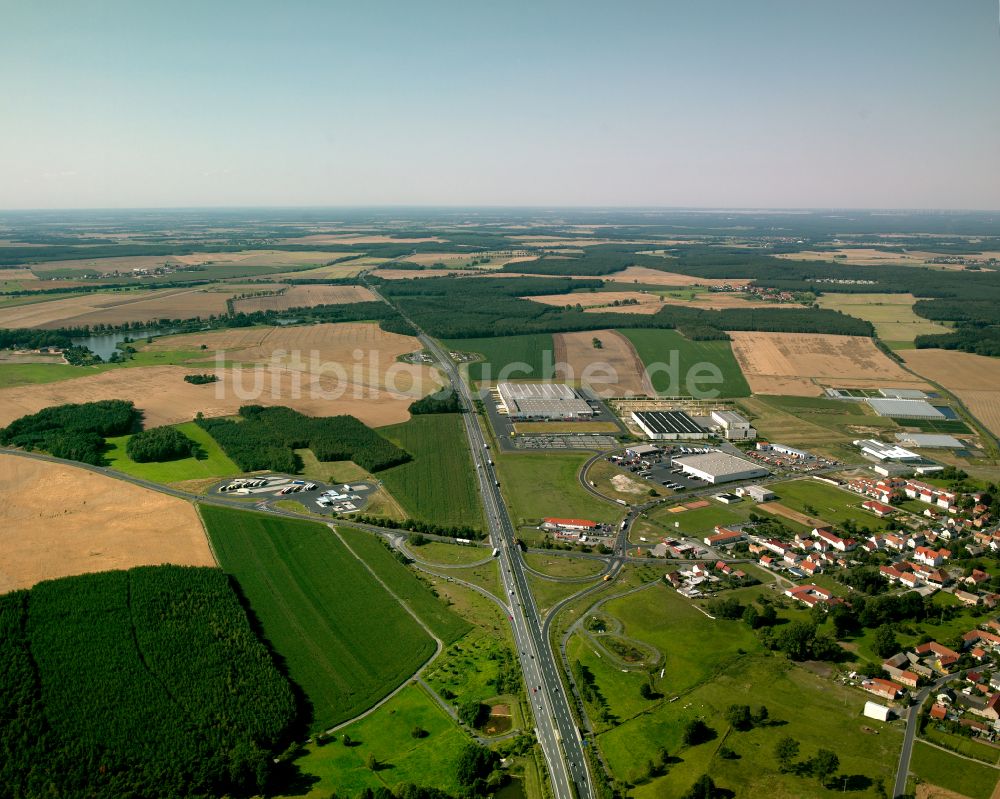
74, 432
267, 437
447, 402
159, 444
201, 379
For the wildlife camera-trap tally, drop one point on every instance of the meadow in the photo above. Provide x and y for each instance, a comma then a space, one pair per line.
317, 605
210, 462
439, 484
831, 504
663, 346
537, 485
711, 664
892, 314
336, 769
449, 554
948, 771
502, 353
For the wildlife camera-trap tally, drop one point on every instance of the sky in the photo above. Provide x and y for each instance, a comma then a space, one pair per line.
675, 103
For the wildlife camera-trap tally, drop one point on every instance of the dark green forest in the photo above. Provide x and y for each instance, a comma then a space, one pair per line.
74, 432
159, 444
143, 684
265, 438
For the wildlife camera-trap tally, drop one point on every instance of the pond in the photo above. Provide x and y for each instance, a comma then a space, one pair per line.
514, 789
105, 344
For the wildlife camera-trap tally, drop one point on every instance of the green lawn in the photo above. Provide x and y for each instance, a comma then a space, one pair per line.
439, 485
969, 747
548, 592
537, 485
701, 521
508, 357
211, 461
681, 363
619, 690
951, 772
450, 554
406, 585
387, 734
562, 566
832, 504
318, 606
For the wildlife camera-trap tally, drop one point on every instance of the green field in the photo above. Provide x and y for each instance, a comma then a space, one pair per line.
211, 462
386, 733
548, 592
668, 348
829, 503
710, 664
439, 484
450, 554
318, 606
562, 566
519, 357
409, 588
951, 772
537, 485
700, 521
892, 314
468, 669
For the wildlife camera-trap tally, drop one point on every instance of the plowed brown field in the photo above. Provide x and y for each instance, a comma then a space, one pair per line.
615, 370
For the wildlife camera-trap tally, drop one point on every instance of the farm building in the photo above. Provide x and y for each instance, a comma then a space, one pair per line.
734, 426
884, 452
904, 408
929, 440
542, 401
719, 467
874, 710
579, 525
668, 425
784, 449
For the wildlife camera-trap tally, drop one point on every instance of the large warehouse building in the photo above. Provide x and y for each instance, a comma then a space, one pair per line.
904, 408
542, 401
719, 467
668, 425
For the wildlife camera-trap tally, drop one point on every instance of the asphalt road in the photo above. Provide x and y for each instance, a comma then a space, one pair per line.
554, 725
903, 770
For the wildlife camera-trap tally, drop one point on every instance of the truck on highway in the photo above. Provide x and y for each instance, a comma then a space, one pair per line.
495, 552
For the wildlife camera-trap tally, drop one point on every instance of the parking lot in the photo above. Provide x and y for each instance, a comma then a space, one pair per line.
316, 496
582, 441
659, 470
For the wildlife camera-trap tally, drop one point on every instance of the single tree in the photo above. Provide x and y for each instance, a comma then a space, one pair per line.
824, 765
739, 718
785, 751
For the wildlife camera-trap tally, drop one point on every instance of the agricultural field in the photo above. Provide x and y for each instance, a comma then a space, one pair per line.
974, 379
58, 520
118, 307
952, 773
816, 424
612, 370
892, 314
320, 627
537, 485
439, 485
303, 297
800, 364
211, 461
833, 505
387, 734
654, 277
527, 357
405, 585
711, 664
639, 302
314, 369
677, 365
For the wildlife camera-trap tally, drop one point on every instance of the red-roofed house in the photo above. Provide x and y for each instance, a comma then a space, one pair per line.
886, 688
939, 712
724, 536
941, 656
880, 509
569, 524
810, 594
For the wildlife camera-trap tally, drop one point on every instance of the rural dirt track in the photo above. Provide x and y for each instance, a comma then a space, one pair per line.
799, 364
783, 510
974, 379
622, 372
57, 520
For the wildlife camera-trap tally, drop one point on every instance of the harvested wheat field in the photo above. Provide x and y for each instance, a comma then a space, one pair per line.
320, 370
604, 301
718, 300
115, 308
974, 379
614, 370
17, 274
654, 277
305, 297
800, 364
86, 522
409, 274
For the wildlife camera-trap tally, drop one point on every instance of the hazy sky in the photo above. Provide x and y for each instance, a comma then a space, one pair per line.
751, 103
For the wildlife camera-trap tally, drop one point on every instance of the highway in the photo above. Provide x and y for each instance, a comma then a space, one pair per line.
554, 725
